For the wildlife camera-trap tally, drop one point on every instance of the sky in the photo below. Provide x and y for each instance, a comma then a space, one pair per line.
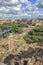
21, 9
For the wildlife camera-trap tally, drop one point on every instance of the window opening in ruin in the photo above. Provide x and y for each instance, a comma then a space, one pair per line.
16, 63
25, 62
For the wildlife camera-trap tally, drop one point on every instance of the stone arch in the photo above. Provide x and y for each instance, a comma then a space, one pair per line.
8, 59
25, 62
16, 63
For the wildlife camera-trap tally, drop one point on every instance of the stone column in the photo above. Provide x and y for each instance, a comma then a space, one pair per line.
11, 42
12, 62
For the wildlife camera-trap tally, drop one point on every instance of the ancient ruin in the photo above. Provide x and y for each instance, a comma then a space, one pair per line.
25, 57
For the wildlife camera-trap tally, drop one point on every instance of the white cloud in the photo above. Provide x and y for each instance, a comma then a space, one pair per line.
24, 1
12, 8
39, 3
4, 10
42, 3
1, 9
14, 1
16, 8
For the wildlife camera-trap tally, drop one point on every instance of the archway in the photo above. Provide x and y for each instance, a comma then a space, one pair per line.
16, 63
25, 62
8, 59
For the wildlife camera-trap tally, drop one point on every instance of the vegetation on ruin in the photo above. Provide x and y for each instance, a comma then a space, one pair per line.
35, 35
15, 27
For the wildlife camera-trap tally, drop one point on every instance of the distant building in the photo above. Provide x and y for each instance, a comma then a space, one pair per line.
24, 20
2, 21
40, 22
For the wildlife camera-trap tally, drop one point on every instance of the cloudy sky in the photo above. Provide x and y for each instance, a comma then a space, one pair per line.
21, 9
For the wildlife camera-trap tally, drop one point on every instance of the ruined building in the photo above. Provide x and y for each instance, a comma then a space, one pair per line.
25, 57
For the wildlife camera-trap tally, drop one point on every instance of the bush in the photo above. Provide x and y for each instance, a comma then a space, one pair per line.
5, 35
